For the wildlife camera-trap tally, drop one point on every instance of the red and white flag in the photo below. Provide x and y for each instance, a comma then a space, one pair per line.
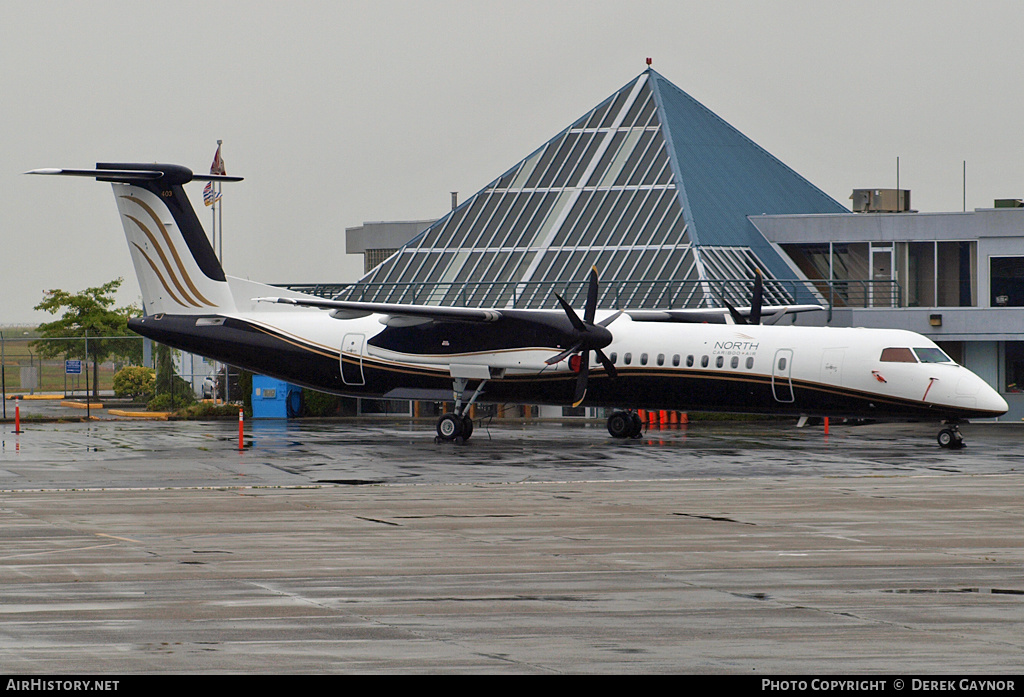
218, 163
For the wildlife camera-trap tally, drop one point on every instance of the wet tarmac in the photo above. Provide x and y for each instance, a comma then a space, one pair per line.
392, 451
538, 547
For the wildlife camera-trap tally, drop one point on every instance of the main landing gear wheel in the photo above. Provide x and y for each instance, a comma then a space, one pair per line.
453, 427
625, 424
950, 438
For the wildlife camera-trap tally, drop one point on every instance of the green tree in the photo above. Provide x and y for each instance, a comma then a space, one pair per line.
88, 317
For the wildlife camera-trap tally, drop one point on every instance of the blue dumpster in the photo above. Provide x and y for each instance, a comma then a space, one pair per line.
274, 399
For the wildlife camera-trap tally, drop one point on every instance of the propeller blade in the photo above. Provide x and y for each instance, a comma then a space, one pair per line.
591, 307
565, 354
588, 337
577, 323
755, 302
581, 380
737, 318
609, 367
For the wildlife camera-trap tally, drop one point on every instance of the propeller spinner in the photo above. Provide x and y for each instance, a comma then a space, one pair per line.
586, 336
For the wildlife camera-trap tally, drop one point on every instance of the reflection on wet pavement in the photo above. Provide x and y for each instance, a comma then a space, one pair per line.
365, 451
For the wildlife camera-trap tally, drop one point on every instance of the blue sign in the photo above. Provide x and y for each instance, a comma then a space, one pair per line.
72, 367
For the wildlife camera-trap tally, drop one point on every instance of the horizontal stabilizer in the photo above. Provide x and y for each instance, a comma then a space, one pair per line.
179, 174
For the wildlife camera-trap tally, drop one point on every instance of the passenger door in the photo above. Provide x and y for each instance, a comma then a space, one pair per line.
782, 383
352, 359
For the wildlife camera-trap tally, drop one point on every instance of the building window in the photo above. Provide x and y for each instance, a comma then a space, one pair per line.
1013, 367
930, 274
938, 274
1006, 279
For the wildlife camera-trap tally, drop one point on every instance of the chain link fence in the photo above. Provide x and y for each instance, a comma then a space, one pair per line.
41, 375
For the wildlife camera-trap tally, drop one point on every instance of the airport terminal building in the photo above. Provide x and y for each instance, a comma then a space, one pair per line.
676, 208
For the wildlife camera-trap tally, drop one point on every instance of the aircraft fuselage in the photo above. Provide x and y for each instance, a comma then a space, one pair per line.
687, 367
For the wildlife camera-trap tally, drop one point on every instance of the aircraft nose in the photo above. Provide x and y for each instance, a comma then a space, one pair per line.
991, 400
987, 398
972, 391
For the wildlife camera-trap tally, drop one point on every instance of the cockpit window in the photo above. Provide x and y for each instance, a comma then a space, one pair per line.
898, 355
932, 355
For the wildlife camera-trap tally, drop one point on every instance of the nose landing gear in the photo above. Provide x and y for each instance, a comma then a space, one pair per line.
949, 437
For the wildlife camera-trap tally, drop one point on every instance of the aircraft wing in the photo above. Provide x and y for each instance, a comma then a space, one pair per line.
769, 314
398, 313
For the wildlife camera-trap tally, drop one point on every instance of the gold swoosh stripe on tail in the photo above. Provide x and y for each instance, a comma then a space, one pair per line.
163, 259
174, 251
159, 275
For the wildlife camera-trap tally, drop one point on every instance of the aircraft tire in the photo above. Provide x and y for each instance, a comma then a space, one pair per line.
620, 425
467, 427
638, 425
949, 438
450, 427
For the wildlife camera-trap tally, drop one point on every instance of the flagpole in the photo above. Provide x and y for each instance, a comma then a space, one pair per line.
213, 229
220, 215
218, 239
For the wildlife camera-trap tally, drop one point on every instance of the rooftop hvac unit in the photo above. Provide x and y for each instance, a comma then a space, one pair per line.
881, 200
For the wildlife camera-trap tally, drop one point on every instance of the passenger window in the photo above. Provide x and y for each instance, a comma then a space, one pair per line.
735, 361
643, 359
614, 358
782, 364
750, 362
628, 358
675, 360
703, 361
661, 359
719, 361
897, 355
689, 361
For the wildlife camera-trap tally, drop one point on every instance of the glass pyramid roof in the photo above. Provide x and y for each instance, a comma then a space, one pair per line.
649, 187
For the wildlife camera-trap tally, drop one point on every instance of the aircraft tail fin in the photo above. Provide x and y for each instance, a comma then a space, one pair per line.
176, 265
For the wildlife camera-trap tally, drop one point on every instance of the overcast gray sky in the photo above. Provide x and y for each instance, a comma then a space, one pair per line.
342, 112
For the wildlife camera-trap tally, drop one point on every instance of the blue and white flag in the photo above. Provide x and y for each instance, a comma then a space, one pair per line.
210, 195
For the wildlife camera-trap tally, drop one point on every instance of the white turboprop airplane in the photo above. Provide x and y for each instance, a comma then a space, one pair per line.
728, 360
